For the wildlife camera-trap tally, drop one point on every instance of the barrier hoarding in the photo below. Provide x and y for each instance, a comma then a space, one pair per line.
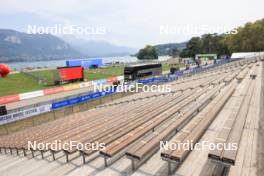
86, 84
9, 99
146, 81
111, 79
120, 78
49, 91
100, 81
80, 99
53, 90
179, 73
29, 95
24, 114
71, 87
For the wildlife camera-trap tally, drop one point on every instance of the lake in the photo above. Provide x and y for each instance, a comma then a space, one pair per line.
61, 63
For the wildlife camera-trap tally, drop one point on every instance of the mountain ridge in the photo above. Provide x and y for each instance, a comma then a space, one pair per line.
97, 48
19, 46
167, 48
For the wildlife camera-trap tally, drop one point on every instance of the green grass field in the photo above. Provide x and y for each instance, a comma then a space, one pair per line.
165, 67
48, 75
102, 73
20, 83
17, 83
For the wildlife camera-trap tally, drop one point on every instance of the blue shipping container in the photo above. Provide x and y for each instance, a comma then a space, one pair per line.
85, 63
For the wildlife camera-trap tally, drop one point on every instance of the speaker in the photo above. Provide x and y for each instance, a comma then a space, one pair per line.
3, 110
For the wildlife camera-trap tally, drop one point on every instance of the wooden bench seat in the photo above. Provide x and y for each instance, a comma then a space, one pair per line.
147, 146
119, 144
232, 130
193, 132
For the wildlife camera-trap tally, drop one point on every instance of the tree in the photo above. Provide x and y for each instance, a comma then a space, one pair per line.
147, 53
214, 43
184, 53
193, 47
174, 52
249, 38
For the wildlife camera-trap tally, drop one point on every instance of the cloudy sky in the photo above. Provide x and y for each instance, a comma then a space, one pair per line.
133, 23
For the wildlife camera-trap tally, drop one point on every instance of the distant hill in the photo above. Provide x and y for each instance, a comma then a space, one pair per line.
19, 46
166, 49
94, 48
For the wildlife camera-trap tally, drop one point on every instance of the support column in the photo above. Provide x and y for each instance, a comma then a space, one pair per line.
105, 161
24, 151
83, 156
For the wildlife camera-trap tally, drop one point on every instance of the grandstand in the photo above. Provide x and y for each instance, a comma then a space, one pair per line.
222, 104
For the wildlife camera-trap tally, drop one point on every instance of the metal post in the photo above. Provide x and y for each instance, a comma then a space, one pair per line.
83, 156
42, 154
53, 155
105, 161
226, 170
24, 151
133, 164
169, 168
67, 157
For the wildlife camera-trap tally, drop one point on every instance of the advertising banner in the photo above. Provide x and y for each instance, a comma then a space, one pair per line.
53, 90
120, 78
24, 114
86, 84
80, 99
9, 99
100, 81
29, 95
111, 79
146, 81
71, 87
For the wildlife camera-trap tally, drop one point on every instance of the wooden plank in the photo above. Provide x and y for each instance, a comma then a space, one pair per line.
229, 156
225, 132
115, 147
179, 154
